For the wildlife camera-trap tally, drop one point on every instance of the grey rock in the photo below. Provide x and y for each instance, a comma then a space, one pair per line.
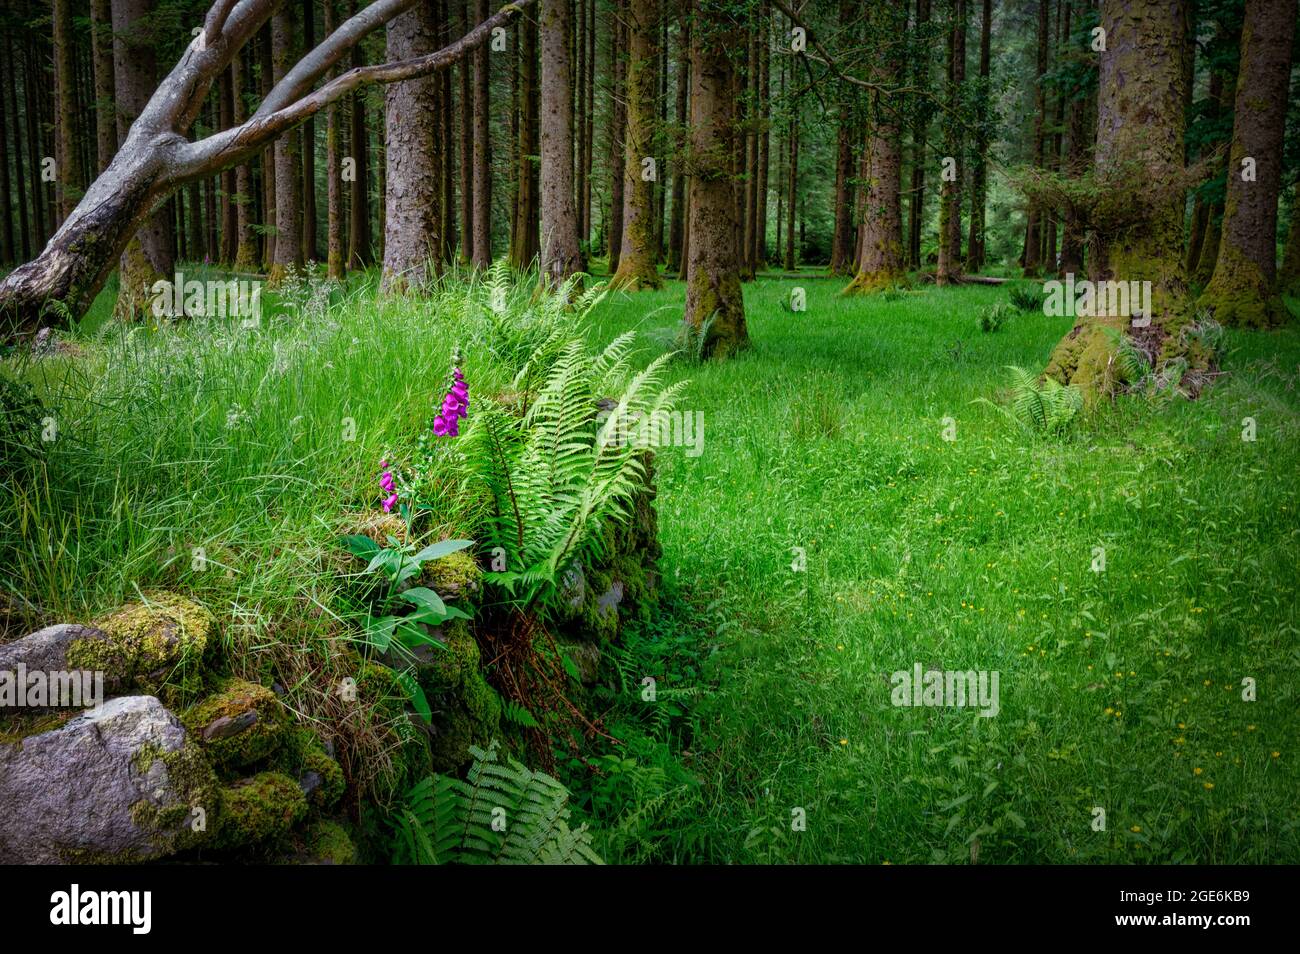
608, 601
92, 790
47, 651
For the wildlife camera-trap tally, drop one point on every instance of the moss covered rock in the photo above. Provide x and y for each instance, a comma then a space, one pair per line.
324, 842
384, 704
260, 812
466, 710
119, 784
455, 576
319, 775
241, 725
158, 646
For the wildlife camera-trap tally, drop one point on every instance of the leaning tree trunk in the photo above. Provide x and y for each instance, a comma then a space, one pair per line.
561, 255
880, 254
1139, 221
1243, 290
715, 305
412, 188
156, 158
636, 261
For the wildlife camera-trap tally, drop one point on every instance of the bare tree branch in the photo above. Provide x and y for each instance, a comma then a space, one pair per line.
231, 146
316, 63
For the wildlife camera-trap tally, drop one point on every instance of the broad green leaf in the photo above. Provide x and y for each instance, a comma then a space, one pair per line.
441, 549
423, 596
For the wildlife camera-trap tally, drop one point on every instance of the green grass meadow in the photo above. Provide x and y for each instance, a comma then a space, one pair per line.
1119, 690
827, 536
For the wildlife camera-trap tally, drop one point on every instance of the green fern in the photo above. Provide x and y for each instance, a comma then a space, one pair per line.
500, 814
1132, 364
553, 477
1048, 408
512, 711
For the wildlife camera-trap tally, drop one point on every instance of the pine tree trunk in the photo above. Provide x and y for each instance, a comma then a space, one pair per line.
20, 178
6, 209
265, 68
1243, 290
617, 131
360, 251
67, 161
1140, 122
842, 237
1288, 276
101, 16
636, 263
589, 133
677, 220
245, 188
975, 245
229, 185
880, 262
1033, 233
920, 134
792, 189
309, 251
288, 161
715, 306
412, 189
765, 133
149, 256
949, 266
561, 254
482, 245
524, 246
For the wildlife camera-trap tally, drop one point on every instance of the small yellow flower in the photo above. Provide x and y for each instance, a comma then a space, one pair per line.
1250, 728
1197, 771
1277, 755
844, 741
1181, 726
1136, 829
1109, 710
1209, 786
